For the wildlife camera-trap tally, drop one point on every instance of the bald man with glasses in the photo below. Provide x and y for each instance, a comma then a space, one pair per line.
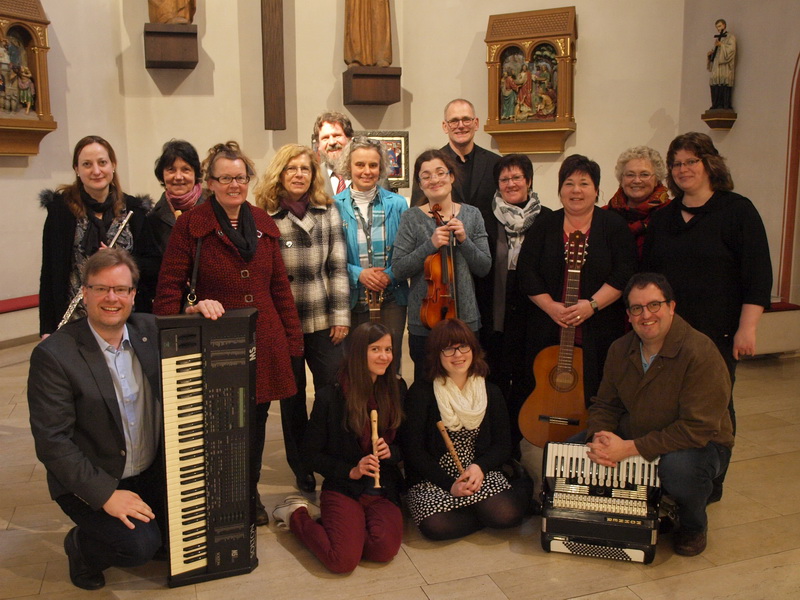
475, 177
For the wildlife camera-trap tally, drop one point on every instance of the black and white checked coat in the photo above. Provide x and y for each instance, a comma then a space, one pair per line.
315, 255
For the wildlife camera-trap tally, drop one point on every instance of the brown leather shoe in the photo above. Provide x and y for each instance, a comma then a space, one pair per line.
689, 543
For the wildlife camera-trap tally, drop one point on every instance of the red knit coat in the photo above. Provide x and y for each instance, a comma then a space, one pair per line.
224, 276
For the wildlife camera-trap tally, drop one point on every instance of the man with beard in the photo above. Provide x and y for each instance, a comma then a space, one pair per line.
332, 132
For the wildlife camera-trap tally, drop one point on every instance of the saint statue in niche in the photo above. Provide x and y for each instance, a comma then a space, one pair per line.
172, 11
367, 33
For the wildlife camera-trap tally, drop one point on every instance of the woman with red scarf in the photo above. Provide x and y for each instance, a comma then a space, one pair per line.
178, 170
640, 171
360, 515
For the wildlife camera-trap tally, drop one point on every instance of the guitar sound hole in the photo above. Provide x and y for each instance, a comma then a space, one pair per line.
563, 381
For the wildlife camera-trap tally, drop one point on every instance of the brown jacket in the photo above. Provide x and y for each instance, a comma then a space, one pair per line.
681, 402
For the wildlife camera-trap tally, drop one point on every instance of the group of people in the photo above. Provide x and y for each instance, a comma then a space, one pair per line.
324, 251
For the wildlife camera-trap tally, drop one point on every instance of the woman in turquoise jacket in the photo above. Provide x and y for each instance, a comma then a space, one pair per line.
370, 217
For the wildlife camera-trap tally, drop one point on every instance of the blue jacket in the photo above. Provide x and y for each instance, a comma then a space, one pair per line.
394, 205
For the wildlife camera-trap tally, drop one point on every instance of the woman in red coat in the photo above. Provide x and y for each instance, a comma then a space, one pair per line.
240, 267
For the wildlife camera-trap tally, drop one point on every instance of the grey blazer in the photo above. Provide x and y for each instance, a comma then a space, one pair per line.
74, 414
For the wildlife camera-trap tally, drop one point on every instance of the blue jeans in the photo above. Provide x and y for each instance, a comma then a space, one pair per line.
687, 475
105, 541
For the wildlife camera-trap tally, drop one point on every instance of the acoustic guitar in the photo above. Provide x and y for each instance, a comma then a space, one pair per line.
556, 409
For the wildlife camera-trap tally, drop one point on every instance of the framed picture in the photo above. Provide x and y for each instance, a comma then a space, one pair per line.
396, 144
530, 59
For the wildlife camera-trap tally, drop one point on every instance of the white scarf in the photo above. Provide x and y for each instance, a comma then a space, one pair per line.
461, 409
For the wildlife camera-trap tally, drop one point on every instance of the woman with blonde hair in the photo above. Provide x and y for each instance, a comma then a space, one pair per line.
312, 244
641, 173
239, 266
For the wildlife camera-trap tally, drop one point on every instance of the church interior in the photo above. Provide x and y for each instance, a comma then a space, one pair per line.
639, 79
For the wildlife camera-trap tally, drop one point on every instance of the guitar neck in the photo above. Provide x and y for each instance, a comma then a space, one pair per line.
568, 334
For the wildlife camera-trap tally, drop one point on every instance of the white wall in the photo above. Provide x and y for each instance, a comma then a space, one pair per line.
635, 84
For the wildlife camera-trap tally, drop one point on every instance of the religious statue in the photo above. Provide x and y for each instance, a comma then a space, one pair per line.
368, 33
27, 91
172, 11
721, 63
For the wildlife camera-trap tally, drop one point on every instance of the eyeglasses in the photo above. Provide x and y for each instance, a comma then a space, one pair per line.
294, 170
631, 175
451, 350
440, 174
653, 307
689, 162
227, 179
460, 121
122, 291
513, 179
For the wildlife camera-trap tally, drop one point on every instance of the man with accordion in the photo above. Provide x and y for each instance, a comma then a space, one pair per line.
665, 393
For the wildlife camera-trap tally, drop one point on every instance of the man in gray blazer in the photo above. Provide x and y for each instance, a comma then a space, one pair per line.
95, 413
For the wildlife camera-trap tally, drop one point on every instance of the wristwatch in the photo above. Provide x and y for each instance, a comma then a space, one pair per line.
595, 308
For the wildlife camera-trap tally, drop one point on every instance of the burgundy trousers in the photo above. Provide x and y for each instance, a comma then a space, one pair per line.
349, 530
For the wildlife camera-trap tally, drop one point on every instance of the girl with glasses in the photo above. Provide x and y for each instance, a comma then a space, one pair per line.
419, 237
444, 503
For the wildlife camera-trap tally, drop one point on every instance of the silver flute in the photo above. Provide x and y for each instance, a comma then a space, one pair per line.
79, 296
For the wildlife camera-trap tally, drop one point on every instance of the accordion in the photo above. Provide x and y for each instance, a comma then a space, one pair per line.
592, 510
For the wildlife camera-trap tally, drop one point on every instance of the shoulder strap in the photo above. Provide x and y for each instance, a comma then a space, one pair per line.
191, 297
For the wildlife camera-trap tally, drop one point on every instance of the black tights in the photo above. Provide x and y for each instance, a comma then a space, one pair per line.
503, 510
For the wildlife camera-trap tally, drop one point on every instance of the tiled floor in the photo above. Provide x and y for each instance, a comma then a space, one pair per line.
753, 551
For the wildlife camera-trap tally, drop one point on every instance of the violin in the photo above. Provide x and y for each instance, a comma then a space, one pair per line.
440, 301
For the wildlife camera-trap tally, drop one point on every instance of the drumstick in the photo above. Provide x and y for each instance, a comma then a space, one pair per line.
450, 448
373, 416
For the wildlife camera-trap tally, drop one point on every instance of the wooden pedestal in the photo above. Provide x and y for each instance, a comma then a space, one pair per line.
170, 46
371, 85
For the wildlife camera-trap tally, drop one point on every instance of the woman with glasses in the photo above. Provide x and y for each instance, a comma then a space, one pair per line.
444, 502
640, 171
239, 266
313, 249
360, 499
598, 315
83, 217
419, 237
178, 171
504, 309
711, 245
370, 217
